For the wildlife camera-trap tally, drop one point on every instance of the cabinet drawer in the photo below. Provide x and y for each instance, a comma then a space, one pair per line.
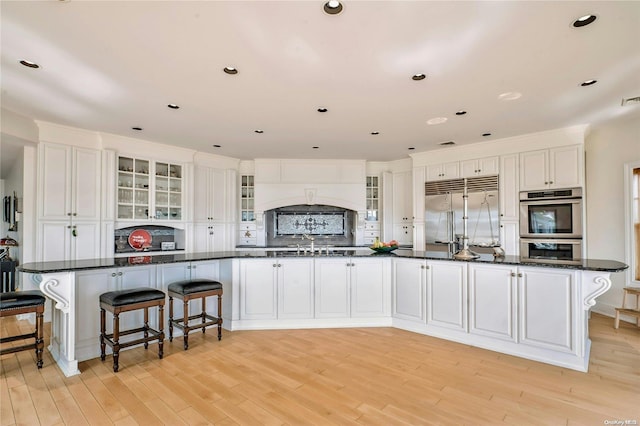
247, 241
248, 233
248, 227
371, 234
370, 226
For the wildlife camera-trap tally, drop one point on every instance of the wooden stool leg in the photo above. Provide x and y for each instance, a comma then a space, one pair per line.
616, 322
170, 318
186, 324
39, 335
204, 313
220, 317
103, 328
146, 327
116, 341
160, 330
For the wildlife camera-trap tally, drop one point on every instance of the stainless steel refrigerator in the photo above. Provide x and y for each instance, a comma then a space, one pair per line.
444, 214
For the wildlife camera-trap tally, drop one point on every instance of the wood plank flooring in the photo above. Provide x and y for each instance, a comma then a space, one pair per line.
358, 376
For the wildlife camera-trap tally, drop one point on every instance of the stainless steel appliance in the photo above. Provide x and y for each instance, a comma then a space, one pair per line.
551, 250
551, 214
444, 214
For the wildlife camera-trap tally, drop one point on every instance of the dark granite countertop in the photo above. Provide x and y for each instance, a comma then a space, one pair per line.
79, 265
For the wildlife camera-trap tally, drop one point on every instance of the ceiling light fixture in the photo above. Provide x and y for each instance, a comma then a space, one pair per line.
588, 83
230, 70
631, 101
584, 20
448, 143
259, 131
321, 109
136, 128
509, 96
418, 77
411, 148
461, 112
29, 64
173, 106
315, 147
486, 134
217, 146
332, 7
375, 133
436, 120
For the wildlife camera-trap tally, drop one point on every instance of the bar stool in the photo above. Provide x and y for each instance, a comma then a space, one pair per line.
120, 301
24, 302
624, 310
194, 289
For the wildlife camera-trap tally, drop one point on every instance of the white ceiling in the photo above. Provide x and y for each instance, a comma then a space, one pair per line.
112, 65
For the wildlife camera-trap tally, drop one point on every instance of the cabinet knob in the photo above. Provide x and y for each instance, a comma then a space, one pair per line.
113, 274
76, 214
188, 266
68, 214
68, 226
546, 183
274, 265
513, 274
119, 274
519, 274
422, 267
550, 182
279, 265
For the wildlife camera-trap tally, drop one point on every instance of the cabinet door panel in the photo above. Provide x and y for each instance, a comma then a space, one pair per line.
408, 285
332, 288
492, 301
55, 240
202, 234
138, 276
86, 242
447, 296
258, 290
86, 184
201, 198
218, 192
89, 286
367, 288
534, 170
295, 289
565, 167
546, 303
509, 188
55, 168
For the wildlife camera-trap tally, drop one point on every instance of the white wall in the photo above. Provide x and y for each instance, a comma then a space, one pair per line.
607, 150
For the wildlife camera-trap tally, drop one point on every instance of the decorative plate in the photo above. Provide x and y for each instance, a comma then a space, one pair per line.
384, 249
140, 239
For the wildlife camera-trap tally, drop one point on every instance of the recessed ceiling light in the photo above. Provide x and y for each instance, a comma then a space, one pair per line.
486, 134
411, 148
230, 70
584, 20
509, 96
259, 131
448, 143
375, 133
173, 106
315, 147
29, 64
216, 146
436, 120
136, 128
588, 83
321, 109
461, 112
418, 77
333, 7
631, 101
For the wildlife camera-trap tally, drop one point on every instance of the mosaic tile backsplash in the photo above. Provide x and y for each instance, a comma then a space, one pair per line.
315, 224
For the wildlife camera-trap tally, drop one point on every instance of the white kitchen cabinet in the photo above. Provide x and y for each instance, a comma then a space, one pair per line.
493, 301
211, 198
90, 285
247, 234
510, 237
209, 236
480, 167
351, 287
447, 294
443, 171
509, 187
69, 203
560, 167
68, 240
371, 232
295, 288
546, 317
409, 287
149, 190
258, 289
402, 195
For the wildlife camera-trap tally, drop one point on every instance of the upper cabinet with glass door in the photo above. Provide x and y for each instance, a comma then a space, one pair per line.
149, 190
246, 198
373, 198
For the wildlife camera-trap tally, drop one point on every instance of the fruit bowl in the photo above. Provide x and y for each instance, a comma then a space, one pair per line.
384, 249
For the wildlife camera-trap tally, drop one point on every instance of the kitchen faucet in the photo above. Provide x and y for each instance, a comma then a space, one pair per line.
310, 238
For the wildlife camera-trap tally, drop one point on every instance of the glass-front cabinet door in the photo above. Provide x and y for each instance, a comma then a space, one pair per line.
149, 190
246, 198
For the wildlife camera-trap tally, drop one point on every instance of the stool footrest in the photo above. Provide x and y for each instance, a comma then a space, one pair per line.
180, 322
18, 348
20, 337
153, 335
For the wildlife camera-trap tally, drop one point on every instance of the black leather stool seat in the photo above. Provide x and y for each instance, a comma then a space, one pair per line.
133, 299
194, 286
186, 291
127, 297
21, 299
24, 302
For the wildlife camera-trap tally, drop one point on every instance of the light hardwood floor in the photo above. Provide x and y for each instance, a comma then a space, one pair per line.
360, 376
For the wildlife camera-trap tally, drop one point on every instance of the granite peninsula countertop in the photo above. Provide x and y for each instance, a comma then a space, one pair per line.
146, 259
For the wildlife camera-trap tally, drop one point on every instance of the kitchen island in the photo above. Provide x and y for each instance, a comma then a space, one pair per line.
511, 305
